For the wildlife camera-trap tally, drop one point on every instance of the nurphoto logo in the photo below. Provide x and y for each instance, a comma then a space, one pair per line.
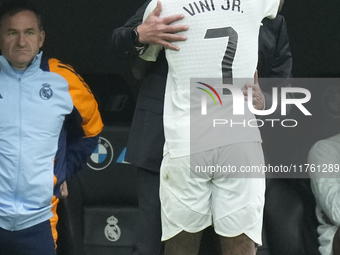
238, 99
230, 103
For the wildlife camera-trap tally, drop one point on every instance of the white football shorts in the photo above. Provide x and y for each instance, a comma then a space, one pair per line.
194, 195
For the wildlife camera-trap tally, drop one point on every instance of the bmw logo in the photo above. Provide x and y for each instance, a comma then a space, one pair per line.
102, 156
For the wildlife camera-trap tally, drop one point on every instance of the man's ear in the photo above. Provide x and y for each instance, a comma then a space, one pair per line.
41, 39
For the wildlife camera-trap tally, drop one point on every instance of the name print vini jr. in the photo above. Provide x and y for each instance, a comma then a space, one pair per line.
208, 5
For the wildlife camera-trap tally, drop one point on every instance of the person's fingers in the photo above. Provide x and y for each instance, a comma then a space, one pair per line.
175, 28
171, 19
244, 91
248, 85
256, 77
169, 45
174, 37
64, 190
157, 11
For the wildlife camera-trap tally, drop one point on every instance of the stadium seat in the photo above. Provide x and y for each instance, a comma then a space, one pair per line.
289, 217
98, 215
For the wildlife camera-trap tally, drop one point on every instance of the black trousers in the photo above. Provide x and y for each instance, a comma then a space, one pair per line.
36, 240
148, 229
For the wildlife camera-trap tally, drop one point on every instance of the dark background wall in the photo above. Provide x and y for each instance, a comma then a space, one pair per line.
78, 32
314, 33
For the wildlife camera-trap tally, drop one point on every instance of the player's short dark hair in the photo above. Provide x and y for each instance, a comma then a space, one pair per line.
11, 8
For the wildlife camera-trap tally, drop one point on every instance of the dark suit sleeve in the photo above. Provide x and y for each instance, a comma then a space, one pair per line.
122, 39
275, 60
282, 62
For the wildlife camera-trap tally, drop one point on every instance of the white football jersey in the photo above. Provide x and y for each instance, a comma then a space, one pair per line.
222, 43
